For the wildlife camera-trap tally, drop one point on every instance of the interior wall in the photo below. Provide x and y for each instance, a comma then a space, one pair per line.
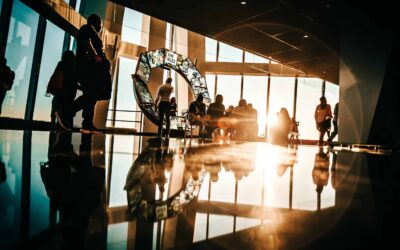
364, 53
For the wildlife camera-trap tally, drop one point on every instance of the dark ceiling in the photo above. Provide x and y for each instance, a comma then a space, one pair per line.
273, 28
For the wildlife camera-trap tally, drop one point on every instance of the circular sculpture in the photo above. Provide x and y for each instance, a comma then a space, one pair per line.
166, 59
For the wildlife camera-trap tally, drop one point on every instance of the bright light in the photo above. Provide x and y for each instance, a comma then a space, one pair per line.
243, 2
272, 120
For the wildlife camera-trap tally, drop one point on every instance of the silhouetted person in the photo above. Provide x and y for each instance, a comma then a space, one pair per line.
6, 79
280, 132
93, 70
240, 115
320, 173
335, 122
74, 187
174, 107
164, 107
197, 113
252, 124
216, 110
63, 99
323, 115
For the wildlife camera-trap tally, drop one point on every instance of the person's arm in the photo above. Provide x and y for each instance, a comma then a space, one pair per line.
84, 40
329, 111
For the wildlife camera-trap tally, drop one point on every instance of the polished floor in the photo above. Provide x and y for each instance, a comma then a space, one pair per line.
72, 191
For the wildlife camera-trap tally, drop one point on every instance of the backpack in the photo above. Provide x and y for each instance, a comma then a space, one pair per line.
56, 82
9, 77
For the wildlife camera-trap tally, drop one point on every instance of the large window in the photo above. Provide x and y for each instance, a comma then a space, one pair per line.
229, 86
281, 96
210, 80
52, 51
19, 53
252, 58
125, 97
229, 53
308, 94
132, 28
255, 92
211, 50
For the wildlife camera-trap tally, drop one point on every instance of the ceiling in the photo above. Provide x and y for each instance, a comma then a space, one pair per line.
273, 28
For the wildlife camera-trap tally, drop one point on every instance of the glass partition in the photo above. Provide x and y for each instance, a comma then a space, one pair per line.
19, 54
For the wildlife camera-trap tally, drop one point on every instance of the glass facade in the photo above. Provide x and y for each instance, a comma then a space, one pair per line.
309, 91
229, 86
19, 54
52, 52
281, 96
135, 31
255, 92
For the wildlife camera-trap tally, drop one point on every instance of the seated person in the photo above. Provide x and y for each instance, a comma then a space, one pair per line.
216, 110
280, 132
240, 117
197, 112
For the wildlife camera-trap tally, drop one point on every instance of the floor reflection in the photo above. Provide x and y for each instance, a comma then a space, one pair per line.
119, 191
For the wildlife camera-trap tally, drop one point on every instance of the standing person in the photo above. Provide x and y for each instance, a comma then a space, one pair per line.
93, 70
335, 122
6, 79
253, 123
62, 104
174, 107
164, 107
323, 115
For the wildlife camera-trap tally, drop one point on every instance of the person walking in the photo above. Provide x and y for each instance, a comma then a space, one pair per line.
164, 106
323, 116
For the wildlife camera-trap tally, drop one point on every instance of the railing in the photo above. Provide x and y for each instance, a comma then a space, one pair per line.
140, 121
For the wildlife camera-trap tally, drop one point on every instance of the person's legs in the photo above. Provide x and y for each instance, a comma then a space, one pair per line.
335, 131
88, 112
161, 113
2, 96
168, 118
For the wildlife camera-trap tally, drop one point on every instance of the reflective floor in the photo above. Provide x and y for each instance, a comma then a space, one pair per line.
73, 191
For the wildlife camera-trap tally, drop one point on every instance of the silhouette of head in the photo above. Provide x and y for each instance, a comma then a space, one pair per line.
199, 98
242, 103
219, 99
95, 21
173, 100
169, 80
68, 56
322, 100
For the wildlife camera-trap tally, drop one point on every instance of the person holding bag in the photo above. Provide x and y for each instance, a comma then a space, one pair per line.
93, 70
63, 86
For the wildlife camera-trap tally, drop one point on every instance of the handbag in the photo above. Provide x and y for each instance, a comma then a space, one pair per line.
56, 82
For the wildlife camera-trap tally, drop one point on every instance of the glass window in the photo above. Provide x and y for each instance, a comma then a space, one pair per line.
39, 201
132, 26
220, 225
332, 97
200, 227
19, 54
117, 235
229, 87
252, 58
229, 53
210, 80
11, 146
1, 4
125, 96
211, 50
168, 36
281, 95
52, 52
255, 92
308, 94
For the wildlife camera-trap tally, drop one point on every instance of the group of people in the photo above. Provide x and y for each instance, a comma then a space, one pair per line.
88, 71
239, 122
